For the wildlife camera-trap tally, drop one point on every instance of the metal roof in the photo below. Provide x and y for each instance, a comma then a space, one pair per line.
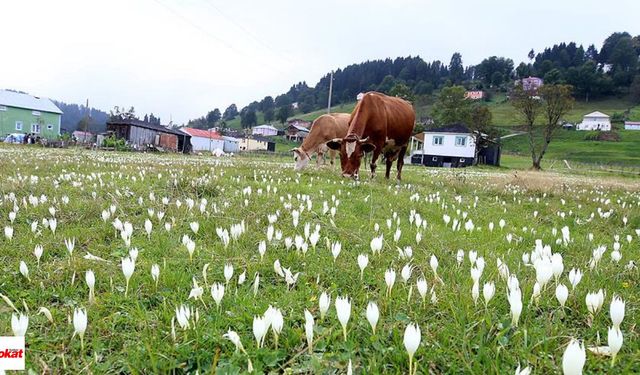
266, 127
453, 128
596, 114
201, 133
147, 125
26, 101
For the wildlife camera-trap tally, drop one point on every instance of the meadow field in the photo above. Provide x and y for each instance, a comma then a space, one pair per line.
191, 264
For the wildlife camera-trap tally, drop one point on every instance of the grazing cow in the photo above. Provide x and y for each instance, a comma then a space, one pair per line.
379, 123
323, 129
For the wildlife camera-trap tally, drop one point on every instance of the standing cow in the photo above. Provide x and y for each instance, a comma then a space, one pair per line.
379, 123
323, 129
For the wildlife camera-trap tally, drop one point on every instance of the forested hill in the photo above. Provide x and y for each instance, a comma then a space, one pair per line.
73, 114
611, 71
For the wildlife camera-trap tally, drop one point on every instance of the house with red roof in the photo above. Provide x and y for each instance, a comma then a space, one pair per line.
204, 140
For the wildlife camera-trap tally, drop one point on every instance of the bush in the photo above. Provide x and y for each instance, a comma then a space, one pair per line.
117, 144
602, 136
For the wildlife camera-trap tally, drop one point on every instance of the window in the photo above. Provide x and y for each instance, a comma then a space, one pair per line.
461, 141
49, 127
435, 158
35, 128
438, 140
3, 108
18, 125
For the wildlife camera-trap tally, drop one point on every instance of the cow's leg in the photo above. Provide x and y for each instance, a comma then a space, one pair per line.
403, 151
389, 162
318, 156
332, 155
373, 165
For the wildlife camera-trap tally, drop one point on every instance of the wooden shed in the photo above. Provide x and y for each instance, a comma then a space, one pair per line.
143, 135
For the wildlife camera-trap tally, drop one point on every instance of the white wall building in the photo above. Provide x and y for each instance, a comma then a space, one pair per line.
632, 125
595, 121
203, 140
264, 130
231, 144
449, 146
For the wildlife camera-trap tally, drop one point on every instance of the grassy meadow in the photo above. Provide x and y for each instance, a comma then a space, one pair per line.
89, 196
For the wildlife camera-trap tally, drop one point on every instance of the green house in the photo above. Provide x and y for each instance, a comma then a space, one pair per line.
24, 114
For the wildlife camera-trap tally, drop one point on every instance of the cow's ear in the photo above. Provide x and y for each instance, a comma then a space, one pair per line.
368, 147
334, 144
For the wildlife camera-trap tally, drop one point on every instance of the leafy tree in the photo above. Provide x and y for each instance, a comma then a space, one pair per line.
213, 117
524, 70
121, 113
402, 91
497, 78
456, 70
624, 60
488, 67
267, 103
604, 57
553, 102
451, 106
553, 76
284, 113
268, 115
387, 84
634, 89
248, 118
481, 128
230, 113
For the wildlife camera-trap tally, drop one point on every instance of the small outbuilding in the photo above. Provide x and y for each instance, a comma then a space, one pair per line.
265, 130
595, 121
204, 140
257, 143
143, 135
632, 125
231, 144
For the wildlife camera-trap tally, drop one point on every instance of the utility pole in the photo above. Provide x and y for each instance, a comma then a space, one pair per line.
86, 123
330, 91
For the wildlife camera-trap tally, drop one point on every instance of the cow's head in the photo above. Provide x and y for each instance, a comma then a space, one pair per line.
300, 157
351, 152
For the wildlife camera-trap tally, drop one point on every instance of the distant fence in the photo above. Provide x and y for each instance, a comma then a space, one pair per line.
570, 165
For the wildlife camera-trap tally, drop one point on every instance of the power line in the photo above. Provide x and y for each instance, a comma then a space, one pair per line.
216, 38
239, 26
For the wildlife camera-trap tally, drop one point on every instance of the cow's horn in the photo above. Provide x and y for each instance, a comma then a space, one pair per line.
364, 140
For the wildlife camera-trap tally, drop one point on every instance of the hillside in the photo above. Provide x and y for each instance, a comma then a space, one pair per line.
503, 113
571, 145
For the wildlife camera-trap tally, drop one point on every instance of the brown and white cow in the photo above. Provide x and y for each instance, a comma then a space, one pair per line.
380, 124
323, 129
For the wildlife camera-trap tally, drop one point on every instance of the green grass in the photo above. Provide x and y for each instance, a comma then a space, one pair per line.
505, 115
572, 146
133, 334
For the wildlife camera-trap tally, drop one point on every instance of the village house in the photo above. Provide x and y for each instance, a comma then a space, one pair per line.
142, 135
450, 146
474, 95
204, 140
632, 125
531, 83
257, 143
299, 122
82, 136
595, 121
264, 130
296, 132
23, 113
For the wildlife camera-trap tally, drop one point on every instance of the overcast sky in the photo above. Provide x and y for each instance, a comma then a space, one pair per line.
182, 58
